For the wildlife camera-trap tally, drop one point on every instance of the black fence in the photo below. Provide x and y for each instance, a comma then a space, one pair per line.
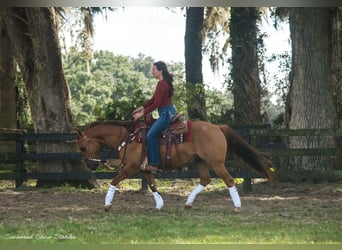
18, 155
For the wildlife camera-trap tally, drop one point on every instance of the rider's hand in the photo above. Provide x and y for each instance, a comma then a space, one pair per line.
137, 114
141, 108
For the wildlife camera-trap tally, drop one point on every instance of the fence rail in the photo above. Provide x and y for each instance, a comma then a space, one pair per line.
14, 160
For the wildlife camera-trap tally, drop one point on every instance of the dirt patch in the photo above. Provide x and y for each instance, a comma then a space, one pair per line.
36, 204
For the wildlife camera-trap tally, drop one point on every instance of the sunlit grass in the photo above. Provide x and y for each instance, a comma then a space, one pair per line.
285, 220
173, 226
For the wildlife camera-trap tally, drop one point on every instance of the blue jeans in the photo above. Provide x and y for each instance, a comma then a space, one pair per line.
165, 117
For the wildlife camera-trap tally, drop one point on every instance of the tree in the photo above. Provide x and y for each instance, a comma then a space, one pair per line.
36, 49
8, 90
245, 70
337, 62
193, 62
216, 29
310, 100
143, 64
90, 92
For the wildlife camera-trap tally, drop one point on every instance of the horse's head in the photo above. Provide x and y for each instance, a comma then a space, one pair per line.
90, 148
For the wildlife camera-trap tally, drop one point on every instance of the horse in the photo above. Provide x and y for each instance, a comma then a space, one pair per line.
208, 147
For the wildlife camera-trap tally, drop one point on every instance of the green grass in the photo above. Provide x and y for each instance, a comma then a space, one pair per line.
279, 221
171, 227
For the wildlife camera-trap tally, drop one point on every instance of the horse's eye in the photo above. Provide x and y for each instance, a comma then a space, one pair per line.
83, 149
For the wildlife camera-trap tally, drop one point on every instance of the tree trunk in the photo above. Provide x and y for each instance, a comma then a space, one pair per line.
193, 63
337, 63
8, 91
310, 103
36, 46
245, 71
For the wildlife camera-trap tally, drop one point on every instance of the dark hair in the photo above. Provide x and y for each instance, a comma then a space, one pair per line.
166, 74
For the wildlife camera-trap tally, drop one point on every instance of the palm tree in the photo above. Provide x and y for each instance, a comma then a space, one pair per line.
237, 27
245, 69
193, 62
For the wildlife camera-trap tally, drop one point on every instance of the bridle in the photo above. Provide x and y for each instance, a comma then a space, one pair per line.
130, 136
86, 141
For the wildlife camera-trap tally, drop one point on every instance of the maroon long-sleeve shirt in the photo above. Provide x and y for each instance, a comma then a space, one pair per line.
159, 99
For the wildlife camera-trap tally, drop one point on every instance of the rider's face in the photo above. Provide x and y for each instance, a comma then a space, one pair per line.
157, 74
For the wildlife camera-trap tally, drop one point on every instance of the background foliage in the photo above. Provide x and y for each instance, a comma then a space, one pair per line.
117, 84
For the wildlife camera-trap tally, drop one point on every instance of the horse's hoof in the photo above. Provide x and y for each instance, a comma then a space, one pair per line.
107, 207
187, 206
236, 210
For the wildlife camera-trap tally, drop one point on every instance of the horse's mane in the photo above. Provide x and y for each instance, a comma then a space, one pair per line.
124, 123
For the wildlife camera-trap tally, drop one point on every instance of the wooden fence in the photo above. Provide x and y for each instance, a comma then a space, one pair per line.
17, 159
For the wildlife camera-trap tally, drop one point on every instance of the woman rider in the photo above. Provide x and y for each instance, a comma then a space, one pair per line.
161, 100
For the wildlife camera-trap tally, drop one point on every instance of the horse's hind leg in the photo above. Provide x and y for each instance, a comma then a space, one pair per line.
203, 171
222, 172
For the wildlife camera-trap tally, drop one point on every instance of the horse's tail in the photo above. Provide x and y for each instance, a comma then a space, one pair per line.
240, 148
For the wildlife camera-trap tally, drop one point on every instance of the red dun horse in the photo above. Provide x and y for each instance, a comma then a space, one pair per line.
209, 145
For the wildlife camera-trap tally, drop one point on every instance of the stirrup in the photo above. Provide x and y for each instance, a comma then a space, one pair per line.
144, 164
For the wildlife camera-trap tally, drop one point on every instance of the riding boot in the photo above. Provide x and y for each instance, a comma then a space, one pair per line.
149, 168
153, 169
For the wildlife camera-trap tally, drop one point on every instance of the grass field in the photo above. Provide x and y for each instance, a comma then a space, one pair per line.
289, 213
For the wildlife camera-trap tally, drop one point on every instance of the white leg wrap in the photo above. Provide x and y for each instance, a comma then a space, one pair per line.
235, 196
158, 199
110, 195
193, 194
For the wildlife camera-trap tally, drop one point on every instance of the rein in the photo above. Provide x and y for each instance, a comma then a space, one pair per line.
130, 137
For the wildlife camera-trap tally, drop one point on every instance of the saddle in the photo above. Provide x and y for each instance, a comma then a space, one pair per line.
178, 132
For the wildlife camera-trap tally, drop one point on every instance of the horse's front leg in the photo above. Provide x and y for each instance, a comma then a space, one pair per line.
123, 174
156, 195
203, 172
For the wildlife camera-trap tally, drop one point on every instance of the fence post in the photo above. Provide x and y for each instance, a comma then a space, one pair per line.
144, 184
247, 183
19, 167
